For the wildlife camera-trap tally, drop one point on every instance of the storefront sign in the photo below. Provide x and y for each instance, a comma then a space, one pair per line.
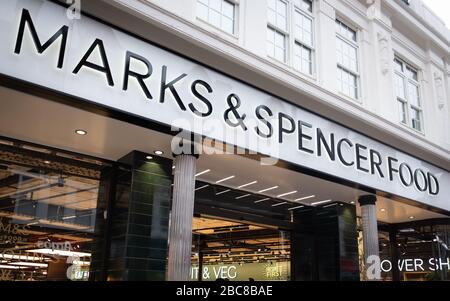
215, 272
405, 265
95, 62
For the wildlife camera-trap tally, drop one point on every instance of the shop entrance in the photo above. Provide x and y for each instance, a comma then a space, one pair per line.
238, 251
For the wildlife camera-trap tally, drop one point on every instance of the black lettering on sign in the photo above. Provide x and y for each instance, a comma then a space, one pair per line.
171, 87
26, 20
101, 68
194, 90
139, 77
263, 120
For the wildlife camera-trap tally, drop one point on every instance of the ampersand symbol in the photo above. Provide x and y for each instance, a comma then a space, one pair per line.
205, 274
233, 109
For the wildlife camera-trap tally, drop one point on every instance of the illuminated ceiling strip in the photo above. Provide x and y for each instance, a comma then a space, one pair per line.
30, 264
297, 207
225, 179
248, 184
286, 194
60, 252
259, 201
69, 217
224, 191
242, 196
203, 172
321, 202
12, 267
279, 204
20, 257
305, 198
204, 186
267, 189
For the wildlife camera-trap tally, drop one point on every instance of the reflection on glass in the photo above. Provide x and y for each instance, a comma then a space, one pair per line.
231, 250
47, 216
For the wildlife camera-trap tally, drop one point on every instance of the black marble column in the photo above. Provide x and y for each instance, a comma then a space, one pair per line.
140, 219
325, 244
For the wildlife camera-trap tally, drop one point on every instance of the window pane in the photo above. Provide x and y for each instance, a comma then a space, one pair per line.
281, 8
214, 18
279, 40
302, 59
227, 25
228, 9
400, 86
270, 42
279, 54
276, 44
219, 13
402, 111
346, 55
271, 16
277, 13
413, 94
281, 22
303, 28
345, 31
411, 73
347, 83
304, 4
398, 65
416, 119
215, 4
202, 11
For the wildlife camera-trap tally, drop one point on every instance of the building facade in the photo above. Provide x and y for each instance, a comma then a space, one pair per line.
239, 139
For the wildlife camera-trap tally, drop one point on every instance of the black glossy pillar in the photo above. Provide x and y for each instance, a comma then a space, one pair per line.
139, 219
325, 244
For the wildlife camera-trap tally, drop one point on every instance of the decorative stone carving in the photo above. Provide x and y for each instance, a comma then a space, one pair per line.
439, 85
373, 11
383, 43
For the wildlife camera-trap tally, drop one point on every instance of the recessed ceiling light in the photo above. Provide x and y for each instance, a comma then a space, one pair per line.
383, 209
287, 193
225, 179
267, 189
321, 202
204, 186
248, 184
158, 152
279, 204
242, 196
148, 157
47, 162
262, 200
305, 198
203, 172
412, 217
81, 132
223, 191
297, 207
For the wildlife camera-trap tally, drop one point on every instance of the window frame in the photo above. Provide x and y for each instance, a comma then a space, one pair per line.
407, 101
290, 39
297, 42
355, 45
284, 32
235, 4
